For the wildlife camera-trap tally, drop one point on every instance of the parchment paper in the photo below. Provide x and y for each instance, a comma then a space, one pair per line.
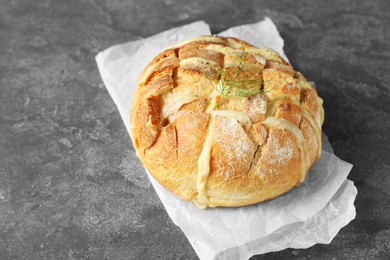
312, 213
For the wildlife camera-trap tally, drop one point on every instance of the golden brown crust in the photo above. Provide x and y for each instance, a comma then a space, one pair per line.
289, 111
196, 105
231, 152
215, 148
174, 157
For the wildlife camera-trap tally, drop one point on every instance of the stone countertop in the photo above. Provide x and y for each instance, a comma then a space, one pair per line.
70, 184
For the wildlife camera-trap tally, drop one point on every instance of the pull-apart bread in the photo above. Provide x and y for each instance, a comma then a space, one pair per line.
220, 122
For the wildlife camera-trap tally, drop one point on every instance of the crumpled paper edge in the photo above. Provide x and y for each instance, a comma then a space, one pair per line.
117, 95
297, 237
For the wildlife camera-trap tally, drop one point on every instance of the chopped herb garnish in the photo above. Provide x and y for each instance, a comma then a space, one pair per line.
233, 86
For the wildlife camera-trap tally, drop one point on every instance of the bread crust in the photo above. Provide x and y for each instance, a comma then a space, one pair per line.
219, 150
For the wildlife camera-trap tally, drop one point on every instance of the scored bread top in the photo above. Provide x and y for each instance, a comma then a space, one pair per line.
220, 122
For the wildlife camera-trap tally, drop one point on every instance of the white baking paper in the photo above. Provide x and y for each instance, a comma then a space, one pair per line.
312, 213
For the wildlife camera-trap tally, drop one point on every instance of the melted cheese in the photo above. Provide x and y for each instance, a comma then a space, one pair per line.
233, 43
189, 62
269, 54
218, 48
320, 121
172, 103
204, 168
287, 125
239, 116
204, 161
199, 39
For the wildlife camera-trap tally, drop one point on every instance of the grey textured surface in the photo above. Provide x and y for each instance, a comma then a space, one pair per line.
70, 185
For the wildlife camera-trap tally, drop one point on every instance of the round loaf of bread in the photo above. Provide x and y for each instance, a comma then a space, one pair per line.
220, 122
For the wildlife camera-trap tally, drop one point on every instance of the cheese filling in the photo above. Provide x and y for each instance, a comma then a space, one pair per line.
204, 168
239, 116
204, 160
173, 103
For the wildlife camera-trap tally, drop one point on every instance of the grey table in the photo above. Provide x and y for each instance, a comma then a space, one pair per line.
70, 185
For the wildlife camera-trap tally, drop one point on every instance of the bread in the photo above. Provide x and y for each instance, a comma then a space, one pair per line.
220, 122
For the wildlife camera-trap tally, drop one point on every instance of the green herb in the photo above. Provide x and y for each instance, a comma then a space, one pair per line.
235, 87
